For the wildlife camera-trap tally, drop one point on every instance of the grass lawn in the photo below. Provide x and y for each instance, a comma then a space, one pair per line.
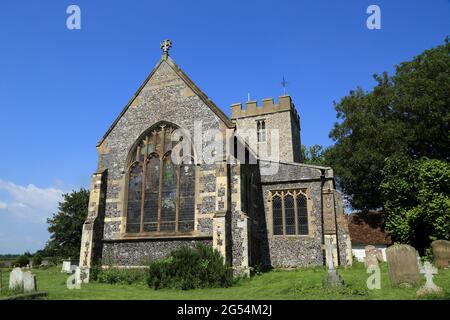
277, 284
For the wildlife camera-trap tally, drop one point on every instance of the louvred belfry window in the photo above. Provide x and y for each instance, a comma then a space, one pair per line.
289, 212
161, 194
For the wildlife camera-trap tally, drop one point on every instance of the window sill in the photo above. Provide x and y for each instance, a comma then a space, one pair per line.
159, 236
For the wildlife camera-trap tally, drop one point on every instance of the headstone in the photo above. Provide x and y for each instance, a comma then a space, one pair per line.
332, 278
441, 253
403, 265
29, 282
45, 263
16, 279
428, 270
69, 266
81, 275
373, 256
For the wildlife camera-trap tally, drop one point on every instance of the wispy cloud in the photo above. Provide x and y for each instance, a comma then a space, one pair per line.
29, 202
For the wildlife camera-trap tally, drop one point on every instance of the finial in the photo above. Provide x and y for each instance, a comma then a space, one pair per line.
284, 85
165, 46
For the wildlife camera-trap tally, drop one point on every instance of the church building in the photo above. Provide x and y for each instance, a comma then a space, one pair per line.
264, 208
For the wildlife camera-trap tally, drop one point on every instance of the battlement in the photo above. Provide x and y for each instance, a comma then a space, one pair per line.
268, 106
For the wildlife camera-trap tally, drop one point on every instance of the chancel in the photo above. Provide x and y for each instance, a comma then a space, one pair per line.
143, 205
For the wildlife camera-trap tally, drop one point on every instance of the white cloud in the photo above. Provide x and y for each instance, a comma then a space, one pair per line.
29, 202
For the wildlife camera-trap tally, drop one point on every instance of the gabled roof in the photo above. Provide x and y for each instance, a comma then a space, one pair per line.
367, 228
188, 82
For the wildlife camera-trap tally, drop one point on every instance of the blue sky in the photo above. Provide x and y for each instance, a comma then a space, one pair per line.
61, 89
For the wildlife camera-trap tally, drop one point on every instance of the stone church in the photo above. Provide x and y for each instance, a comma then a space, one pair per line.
260, 209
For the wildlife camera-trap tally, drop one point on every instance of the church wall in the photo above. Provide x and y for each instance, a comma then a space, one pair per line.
300, 250
139, 253
165, 97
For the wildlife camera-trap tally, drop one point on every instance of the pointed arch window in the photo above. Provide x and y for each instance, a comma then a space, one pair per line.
289, 212
161, 194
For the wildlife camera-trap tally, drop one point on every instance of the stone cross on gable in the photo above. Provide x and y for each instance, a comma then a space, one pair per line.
165, 46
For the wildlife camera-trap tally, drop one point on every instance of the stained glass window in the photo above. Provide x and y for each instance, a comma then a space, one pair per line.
289, 213
161, 194
277, 213
302, 215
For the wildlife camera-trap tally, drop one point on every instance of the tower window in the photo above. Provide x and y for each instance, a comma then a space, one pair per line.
261, 130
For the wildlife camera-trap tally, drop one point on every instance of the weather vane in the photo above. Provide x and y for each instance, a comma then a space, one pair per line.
284, 85
165, 46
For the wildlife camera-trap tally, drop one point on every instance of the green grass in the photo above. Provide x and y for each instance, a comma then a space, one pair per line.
277, 284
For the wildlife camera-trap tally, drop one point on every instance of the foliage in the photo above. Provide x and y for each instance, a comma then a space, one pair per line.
314, 155
22, 260
66, 226
407, 113
36, 259
189, 268
416, 194
121, 275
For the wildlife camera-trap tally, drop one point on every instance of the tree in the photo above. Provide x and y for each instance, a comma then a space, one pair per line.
416, 195
66, 226
314, 155
405, 114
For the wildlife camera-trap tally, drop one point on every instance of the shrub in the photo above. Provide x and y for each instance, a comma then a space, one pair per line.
21, 261
37, 260
189, 268
120, 276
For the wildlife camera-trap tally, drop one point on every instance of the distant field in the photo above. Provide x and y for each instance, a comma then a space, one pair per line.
277, 284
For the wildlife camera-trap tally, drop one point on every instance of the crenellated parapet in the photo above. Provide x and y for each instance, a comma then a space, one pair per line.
268, 106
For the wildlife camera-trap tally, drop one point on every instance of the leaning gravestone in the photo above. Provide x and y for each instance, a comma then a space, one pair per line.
16, 279
441, 253
373, 256
403, 265
29, 282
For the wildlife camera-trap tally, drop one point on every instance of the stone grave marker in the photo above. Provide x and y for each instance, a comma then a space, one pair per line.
403, 266
428, 270
441, 253
69, 266
332, 278
29, 282
373, 256
16, 279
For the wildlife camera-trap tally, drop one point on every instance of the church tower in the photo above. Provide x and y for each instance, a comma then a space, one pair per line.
261, 122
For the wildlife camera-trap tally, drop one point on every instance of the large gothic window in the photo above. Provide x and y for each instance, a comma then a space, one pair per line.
161, 194
289, 213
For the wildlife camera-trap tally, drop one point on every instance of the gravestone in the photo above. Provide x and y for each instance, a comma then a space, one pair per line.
428, 270
16, 279
373, 256
403, 266
81, 275
29, 282
69, 266
332, 278
441, 253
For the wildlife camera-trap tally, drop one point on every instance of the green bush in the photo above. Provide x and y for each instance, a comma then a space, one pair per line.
120, 276
37, 260
21, 261
189, 268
